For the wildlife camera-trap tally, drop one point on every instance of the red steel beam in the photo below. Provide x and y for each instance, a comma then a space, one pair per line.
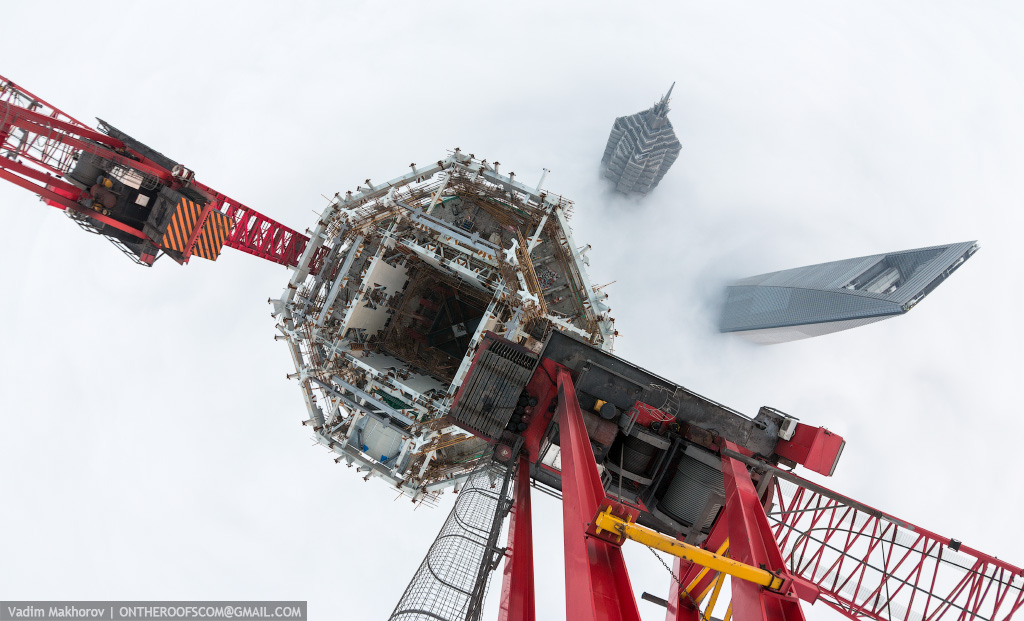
946, 541
31, 120
144, 165
69, 204
680, 604
8, 90
868, 564
751, 541
597, 584
677, 609
263, 237
72, 135
38, 175
517, 592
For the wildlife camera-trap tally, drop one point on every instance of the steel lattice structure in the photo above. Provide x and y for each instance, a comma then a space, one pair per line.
445, 333
451, 582
870, 564
42, 148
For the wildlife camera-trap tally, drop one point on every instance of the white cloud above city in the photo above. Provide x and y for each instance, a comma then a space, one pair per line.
151, 445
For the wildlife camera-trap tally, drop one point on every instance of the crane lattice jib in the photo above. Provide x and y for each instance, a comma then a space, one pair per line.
52, 154
871, 565
39, 145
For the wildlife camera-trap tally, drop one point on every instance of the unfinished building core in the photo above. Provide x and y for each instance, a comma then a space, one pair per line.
391, 299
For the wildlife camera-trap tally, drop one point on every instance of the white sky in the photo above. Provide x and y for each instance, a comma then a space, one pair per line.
150, 445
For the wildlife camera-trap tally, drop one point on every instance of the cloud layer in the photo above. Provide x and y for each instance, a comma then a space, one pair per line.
150, 445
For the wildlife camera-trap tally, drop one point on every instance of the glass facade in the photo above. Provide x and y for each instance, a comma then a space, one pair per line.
640, 149
820, 299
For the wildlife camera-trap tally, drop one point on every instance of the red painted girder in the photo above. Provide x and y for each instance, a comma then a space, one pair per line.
869, 564
142, 165
543, 387
53, 136
67, 203
19, 116
263, 237
259, 235
517, 590
54, 131
597, 584
677, 609
13, 95
751, 541
8, 90
31, 173
682, 609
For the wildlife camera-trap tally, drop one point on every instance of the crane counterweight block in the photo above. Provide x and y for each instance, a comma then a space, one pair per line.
113, 185
493, 346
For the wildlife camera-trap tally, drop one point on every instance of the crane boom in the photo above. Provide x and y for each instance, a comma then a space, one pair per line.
139, 199
688, 468
869, 564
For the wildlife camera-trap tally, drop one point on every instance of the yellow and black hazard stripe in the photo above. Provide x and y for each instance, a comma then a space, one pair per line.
212, 237
179, 229
215, 233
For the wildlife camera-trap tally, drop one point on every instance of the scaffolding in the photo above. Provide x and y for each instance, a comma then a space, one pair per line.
400, 284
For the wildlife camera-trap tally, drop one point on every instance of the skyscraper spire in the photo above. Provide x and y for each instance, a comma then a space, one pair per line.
668, 95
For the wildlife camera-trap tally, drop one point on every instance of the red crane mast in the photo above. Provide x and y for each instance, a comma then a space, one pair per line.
783, 541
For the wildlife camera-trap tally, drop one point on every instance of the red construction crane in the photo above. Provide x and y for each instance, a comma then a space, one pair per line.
111, 184
782, 539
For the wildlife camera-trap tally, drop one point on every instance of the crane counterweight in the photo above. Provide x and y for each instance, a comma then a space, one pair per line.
113, 185
445, 334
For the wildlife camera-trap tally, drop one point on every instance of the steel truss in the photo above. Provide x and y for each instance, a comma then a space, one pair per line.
871, 565
39, 145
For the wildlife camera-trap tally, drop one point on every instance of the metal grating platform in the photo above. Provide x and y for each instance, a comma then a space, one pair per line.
489, 396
